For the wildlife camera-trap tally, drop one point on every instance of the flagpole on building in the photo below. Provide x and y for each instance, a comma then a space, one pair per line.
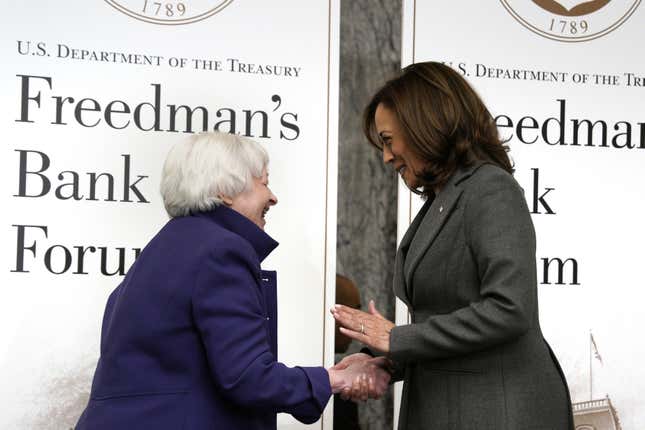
590, 368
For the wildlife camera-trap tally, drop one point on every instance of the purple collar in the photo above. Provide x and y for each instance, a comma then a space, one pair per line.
242, 226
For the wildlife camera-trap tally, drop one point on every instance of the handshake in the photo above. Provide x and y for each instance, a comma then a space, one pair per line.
360, 376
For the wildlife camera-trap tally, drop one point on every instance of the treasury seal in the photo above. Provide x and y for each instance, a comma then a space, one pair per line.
571, 20
166, 12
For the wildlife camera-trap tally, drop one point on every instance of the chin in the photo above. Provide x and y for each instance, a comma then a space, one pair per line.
410, 183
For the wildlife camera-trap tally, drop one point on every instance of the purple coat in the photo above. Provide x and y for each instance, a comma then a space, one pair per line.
189, 338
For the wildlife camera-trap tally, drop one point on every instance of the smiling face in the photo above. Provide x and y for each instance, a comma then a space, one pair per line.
396, 151
254, 202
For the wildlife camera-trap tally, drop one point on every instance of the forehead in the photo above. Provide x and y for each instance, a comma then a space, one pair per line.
384, 118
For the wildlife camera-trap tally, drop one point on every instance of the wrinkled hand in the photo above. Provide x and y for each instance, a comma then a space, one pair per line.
369, 377
371, 328
351, 359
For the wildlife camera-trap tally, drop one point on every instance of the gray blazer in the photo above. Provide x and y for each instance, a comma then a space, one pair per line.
473, 357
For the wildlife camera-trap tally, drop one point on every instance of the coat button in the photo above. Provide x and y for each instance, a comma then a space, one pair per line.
268, 318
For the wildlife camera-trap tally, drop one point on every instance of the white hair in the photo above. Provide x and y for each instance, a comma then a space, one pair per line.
200, 169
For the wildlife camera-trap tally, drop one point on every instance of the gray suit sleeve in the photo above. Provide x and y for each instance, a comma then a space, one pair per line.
501, 238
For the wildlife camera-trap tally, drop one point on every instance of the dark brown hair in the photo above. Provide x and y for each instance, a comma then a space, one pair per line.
443, 119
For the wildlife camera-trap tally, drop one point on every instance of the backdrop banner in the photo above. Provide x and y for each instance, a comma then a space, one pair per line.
93, 96
566, 86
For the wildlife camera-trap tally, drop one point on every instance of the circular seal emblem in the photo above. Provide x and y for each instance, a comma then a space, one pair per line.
571, 20
167, 12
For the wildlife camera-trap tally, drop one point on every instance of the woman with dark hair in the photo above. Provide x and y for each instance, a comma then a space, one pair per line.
473, 356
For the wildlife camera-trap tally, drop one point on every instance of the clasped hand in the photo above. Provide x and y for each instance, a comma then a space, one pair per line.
360, 376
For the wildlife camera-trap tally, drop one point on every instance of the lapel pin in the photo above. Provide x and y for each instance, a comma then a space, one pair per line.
440, 209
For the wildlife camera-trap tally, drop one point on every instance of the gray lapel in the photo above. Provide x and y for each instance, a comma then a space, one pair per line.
430, 227
432, 222
400, 289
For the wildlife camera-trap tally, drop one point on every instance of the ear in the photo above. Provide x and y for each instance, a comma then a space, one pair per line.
226, 200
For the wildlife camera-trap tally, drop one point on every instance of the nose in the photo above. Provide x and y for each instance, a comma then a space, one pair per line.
273, 200
387, 155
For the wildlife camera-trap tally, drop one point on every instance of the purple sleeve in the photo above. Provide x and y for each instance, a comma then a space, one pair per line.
231, 320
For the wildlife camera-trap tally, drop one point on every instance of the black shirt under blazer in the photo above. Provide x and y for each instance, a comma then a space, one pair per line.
474, 356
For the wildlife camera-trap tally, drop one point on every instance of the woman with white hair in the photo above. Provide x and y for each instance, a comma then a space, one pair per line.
189, 338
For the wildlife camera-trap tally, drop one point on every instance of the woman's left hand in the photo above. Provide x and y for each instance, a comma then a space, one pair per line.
371, 328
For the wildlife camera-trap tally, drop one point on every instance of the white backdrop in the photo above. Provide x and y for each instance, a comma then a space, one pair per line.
530, 63
264, 69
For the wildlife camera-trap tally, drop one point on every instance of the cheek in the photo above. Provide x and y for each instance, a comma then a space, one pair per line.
259, 206
396, 149
414, 161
